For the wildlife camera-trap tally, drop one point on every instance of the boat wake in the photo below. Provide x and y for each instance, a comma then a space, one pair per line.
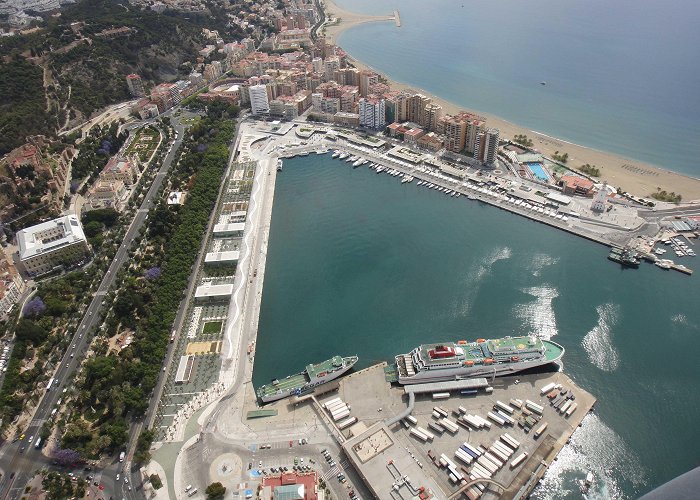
538, 315
540, 261
476, 274
597, 448
598, 342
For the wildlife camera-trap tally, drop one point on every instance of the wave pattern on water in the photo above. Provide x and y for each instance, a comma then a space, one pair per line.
475, 276
598, 342
538, 315
540, 261
597, 448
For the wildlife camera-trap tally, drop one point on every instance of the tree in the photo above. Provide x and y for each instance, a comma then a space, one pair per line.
215, 491
156, 482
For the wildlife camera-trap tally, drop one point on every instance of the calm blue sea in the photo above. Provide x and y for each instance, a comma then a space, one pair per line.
622, 75
361, 264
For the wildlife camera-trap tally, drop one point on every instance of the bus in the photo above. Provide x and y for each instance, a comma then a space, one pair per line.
50, 384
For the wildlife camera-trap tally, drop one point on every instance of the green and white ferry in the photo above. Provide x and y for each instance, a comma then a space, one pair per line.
482, 358
301, 383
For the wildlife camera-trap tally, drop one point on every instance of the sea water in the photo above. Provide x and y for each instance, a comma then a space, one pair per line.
621, 76
359, 263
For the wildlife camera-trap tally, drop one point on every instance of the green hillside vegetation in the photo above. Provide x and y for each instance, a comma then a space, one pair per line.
86, 72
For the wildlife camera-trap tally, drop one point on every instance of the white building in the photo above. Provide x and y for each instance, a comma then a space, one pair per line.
259, 103
600, 199
372, 113
51, 244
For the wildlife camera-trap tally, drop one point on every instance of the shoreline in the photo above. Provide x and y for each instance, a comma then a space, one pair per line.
636, 177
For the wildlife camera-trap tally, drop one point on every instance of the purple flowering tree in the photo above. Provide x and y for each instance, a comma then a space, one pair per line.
152, 274
34, 307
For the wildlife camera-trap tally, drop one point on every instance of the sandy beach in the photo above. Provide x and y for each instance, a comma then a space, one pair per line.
636, 177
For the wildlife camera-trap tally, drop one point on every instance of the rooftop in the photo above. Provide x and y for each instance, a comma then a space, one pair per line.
49, 236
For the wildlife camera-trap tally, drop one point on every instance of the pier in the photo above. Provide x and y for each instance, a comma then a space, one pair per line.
375, 402
397, 18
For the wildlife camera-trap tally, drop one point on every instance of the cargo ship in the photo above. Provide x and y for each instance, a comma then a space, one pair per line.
301, 383
482, 358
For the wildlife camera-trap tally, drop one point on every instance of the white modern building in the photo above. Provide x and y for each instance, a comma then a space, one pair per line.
259, 103
372, 113
51, 244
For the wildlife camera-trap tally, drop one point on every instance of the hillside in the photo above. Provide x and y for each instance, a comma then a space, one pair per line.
77, 62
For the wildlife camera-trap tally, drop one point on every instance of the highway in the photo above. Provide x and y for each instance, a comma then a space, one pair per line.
22, 458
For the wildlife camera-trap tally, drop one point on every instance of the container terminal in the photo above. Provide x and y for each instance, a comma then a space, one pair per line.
469, 438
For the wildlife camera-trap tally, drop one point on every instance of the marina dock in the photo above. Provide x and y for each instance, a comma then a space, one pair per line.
397, 18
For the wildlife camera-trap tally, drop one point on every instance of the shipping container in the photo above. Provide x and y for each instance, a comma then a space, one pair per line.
412, 419
506, 450
484, 422
502, 406
436, 427
405, 424
468, 392
487, 464
347, 423
474, 422
331, 402
449, 425
488, 390
462, 410
469, 451
565, 407
437, 415
428, 434
508, 419
516, 403
518, 460
547, 388
450, 463
571, 409
441, 411
540, 430
343, 414
493, 459
480, 471
498, 454
461, 455
335, 404
496, 418
441, 395
418, 434
510, 441
534, 407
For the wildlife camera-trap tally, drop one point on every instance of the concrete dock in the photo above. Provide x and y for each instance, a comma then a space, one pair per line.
374, 402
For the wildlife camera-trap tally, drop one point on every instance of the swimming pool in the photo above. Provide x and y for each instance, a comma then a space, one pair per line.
538, 171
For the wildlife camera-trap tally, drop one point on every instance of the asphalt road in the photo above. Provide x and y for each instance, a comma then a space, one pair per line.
21, 457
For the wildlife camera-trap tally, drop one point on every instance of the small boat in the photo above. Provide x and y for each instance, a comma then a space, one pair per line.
543, 83
305, 153
279, 165
587, 483
343, 156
